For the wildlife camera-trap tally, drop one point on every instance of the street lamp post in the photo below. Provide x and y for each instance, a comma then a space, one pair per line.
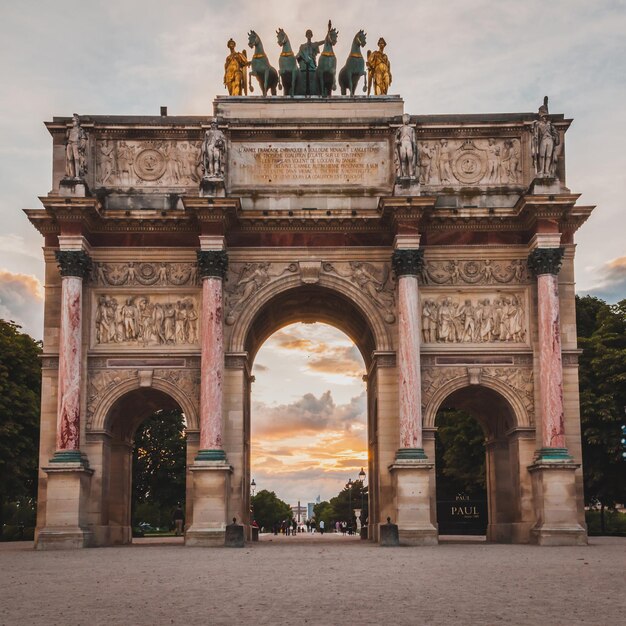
349, 486
253, 487
254, 531
363, 527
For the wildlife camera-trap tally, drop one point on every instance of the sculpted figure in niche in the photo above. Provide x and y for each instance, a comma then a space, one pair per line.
425, 162
493, 161
406, 148
107, 152
125, 159
212, 152
545, 141
443, 161
511, 160
75, 150
378, 70
235, 79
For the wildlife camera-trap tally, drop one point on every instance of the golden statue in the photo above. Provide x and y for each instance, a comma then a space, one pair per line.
235, 79
378, 70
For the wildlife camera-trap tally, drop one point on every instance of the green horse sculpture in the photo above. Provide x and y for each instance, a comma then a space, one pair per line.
351, 72
260, 66
287, 64
327, 66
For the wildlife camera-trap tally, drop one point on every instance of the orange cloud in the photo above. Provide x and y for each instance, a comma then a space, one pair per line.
21, 300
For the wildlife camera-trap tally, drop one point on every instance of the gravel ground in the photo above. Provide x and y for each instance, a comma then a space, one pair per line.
316, 580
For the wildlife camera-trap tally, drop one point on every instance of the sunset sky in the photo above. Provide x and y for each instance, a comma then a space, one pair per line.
460, 56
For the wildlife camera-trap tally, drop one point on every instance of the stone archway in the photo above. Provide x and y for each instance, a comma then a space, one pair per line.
509, 449
297, 302
119, 415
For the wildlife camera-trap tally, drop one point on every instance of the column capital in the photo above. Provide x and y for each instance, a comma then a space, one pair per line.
73, 263
212, 263
545, 260
408, 262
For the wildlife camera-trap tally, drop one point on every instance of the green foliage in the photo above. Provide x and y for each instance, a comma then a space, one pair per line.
602, 337
268, 509
324, 511
20, 392
460, 453
338, 509
159, 462
614, 523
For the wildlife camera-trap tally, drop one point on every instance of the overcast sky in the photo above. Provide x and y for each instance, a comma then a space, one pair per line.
458, 56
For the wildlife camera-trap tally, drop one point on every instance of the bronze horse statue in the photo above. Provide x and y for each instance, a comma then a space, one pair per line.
260, 66
327, 66
354, 68
287, 64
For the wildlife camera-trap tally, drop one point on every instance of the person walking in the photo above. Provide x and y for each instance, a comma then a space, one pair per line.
321, 526
179, 518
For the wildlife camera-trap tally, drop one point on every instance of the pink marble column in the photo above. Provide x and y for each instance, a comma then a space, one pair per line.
407, 264
212, 268
545, 263
74, 265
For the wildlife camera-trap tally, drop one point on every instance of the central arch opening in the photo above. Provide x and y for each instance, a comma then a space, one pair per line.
310, 348
309, 432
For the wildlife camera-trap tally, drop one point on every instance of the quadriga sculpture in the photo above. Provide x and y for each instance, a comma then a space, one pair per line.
287, 65
260, 66
327, 66
354, 68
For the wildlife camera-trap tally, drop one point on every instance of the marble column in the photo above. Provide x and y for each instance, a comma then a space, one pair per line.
212, 267
545, 264
407, 265
74, 266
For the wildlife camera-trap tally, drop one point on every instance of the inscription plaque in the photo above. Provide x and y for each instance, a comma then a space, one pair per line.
310, 165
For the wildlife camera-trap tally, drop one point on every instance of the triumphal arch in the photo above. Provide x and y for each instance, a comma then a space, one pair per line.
443, 245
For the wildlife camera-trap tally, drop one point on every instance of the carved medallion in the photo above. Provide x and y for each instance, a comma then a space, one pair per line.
468, 164
150, 164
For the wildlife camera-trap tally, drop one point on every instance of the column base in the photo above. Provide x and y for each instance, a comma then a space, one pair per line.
411, 481
211, 481
211, 455
69, 479
554, 492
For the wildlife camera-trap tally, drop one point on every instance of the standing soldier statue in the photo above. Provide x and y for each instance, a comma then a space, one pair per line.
406, 149
75, 150
545, 141
307, 60
235, 79
212, 153
378, 70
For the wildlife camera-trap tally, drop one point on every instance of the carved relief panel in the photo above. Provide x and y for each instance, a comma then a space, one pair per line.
470, 162
487, 317
160, 163
140, 320
474, 272
147, 274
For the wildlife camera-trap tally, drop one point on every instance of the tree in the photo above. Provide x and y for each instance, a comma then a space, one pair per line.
159, 462
460, 452
602, 378
20, 398
269, 509
348, 498
324, 511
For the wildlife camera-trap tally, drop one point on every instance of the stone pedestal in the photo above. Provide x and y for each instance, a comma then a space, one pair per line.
411, 483
212, 187
554, 491
406, 186
66, 510
211, 481
73, 187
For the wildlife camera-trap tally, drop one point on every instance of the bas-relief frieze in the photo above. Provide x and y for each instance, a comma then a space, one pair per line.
166, 163
463, 162
518, 379
474, 272
147, 274
102, 382
247, 279
146, 320
476, 318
